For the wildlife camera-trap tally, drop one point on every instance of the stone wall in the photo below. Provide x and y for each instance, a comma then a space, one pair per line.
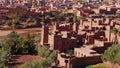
85, 61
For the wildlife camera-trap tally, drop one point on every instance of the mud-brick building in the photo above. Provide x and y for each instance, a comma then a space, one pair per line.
66, 36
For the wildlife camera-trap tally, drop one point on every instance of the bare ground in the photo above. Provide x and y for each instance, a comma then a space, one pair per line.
17, 60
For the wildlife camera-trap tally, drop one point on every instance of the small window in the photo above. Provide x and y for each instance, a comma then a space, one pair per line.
82, 54
78, 53
66, 61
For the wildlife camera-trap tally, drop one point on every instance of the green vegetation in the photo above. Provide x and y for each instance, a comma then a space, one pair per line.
14, 41
4, 54
20, 45
37, 64
70, 52
48, 58
112, 54
96, 67
30, 22
17, 20
15, 44
45, 53
13, 20
28, 44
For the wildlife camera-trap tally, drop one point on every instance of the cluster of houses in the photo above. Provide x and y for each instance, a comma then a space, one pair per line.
88, 38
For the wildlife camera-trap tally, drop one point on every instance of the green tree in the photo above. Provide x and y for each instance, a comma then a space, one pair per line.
4, 54
112, 54
14, 20
43, 51
14, 41
53, 56
28, 44
20, 45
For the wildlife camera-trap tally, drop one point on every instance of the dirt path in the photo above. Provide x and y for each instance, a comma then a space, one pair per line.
4, 33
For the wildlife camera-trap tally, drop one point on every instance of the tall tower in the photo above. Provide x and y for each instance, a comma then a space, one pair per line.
44, 34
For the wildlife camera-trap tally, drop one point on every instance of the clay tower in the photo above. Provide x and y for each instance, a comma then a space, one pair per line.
44, 34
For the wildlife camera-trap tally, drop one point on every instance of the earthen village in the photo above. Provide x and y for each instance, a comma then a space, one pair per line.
81, 31
88, 38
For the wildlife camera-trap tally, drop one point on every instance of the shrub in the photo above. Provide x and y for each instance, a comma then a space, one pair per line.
53, 56
4, 54
14, 41
49, 56
43, 51
112, 54
21, 45
37, 64
28, 44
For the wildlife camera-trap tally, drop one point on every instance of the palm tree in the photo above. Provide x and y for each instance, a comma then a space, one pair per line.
115, 31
